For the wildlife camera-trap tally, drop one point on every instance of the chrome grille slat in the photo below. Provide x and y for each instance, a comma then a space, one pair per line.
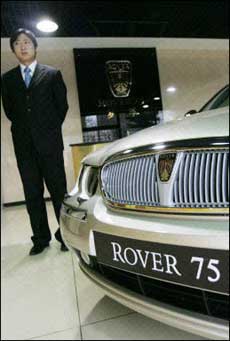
114, 180
118, 181
134, 198
110, 181
207, 178
148, 180
139, 189
128, 182
176, 193
153, 187
135, 181
213, 178
196, 182
186, 179
145, 180
191, 179
109, 178
200, 180
219, 197
157, 192
138, 182
180, 181
224, 178
123, 181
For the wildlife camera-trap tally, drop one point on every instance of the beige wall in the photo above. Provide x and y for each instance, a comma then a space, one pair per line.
197, 75
197, 68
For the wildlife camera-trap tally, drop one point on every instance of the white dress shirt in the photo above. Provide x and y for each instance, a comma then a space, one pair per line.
32, 67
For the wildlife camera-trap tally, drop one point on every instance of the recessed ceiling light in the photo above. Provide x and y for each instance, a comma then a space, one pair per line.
145, 106
171, 89
47, 26
156, 98
110, 115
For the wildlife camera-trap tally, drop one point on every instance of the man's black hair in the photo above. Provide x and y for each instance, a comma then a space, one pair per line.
19, 31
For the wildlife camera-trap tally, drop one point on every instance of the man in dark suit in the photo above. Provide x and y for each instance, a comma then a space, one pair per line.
34, 100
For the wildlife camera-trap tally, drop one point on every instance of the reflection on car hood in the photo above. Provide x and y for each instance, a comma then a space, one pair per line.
206, 124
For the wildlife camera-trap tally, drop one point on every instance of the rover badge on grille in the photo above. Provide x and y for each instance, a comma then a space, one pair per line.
165, 166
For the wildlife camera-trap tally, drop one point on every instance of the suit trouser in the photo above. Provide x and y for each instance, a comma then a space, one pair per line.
34, 171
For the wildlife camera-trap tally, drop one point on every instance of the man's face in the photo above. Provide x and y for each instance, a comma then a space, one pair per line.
24, 49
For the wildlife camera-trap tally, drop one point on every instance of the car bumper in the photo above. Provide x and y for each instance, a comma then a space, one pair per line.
194, 323
78, 227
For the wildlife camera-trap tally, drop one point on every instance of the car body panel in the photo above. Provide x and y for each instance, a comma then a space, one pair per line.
84, 214
212, 123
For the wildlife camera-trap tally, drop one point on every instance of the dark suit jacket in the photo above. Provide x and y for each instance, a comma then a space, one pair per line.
36, 112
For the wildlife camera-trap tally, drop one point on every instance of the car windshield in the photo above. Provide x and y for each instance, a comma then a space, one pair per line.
221, 99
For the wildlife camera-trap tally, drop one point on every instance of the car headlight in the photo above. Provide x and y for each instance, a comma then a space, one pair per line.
87, 182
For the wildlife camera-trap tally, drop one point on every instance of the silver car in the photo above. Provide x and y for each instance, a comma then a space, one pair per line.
148, 220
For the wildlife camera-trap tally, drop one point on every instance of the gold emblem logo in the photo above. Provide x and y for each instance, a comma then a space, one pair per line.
165, 166
119, 74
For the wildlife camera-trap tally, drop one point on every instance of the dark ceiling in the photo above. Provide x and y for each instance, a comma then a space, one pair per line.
156, 18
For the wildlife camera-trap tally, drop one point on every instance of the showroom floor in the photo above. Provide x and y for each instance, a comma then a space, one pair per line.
46, 297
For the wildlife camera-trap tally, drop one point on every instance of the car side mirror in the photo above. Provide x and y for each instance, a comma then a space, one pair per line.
190, 112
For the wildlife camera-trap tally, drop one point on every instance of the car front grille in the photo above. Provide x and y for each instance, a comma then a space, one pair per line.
198, 182
202, 180
196, 300
132, 181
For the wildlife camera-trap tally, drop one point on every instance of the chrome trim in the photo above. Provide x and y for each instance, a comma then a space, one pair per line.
184, 194
170, 214
172, 210
74, 213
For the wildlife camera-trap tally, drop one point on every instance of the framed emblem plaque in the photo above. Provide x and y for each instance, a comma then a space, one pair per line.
118, 86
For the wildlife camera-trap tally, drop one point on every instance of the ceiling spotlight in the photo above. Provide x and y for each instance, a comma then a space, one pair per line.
145, 106
156, 98
171, 89
47, 26
110, 115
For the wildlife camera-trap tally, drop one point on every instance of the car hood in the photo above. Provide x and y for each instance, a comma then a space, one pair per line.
212, 123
